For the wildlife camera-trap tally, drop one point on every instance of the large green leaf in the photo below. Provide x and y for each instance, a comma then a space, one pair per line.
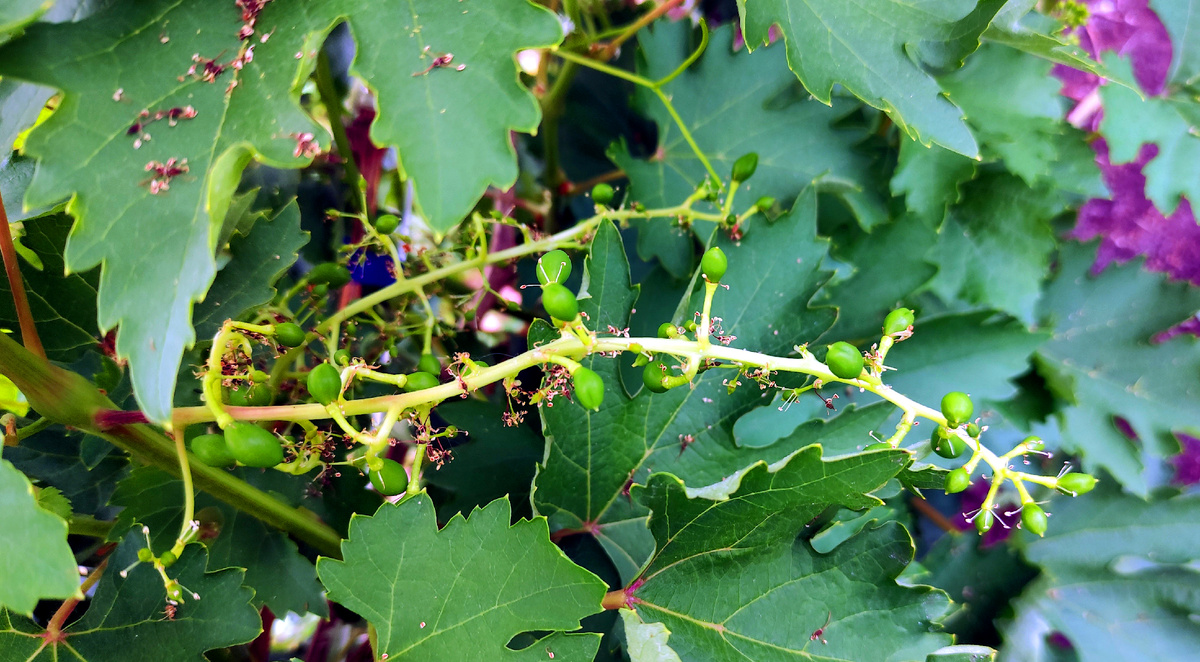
710, 552
20, 104
1101, 361
16, 13
460, 593
35, 559
282, 579
63, 305
736, 103
84, 149
1182, 20
773, 273
1131, 121
126, 618
65, 460
930, 178
257, 259
1018, 26
1118, 581
877, 51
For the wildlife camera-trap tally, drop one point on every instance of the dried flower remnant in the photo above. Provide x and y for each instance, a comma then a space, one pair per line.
306, 145
164, 173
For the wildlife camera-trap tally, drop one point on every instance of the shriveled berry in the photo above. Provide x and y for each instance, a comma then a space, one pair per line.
324, 383
713, 264
984, 521
947, 444
957, 481
289, 334
419, 381
602, 194
898, 321
212, 450
389, 479
1075, 484
745, 166
329, 273
429, 363
957, 408
553, 267
652, 376
253, 446
386, 224
560, 302
844, 360
1033, 518
589, 388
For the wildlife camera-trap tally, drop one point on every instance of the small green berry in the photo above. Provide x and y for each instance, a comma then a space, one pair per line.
553, 267
879, 446
386, 224
667, 330
167, 558
253, 446
947, 444
957, 481
258, 376
560, 302
429, 363
973, 430
342, 357
249, 395
898, 321
602, 194
1033, 518
1075, 484
324, 383
212, 450
764, 203
320, 290
957, 408
589, 388
713, 264
390, 478
419, 381
844, 360
652, 376
329, 273
744, 167
984, 521
145, 555
289, 334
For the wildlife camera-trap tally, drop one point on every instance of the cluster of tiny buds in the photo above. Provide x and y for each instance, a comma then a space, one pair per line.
146, 118
306, 145
164, 172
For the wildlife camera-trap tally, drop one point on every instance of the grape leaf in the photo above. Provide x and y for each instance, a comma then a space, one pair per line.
994, 249
1131, 121
125, 619
20, 105
1101, 362
258, 259
15, 14
56, 458
282, 579
1113, 595
1016, 26
51, 499
930, 179
467, 589
886, 45
88, 154
63, 305
773, 273
35, 560
15, 175
735, 103
708, 552
1182, 20
646, 642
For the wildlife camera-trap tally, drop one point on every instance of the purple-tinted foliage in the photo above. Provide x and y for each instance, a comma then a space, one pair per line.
1187, 463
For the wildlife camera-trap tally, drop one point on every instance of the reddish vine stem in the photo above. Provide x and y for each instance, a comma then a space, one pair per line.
941, 521
29, 332
54, 632
649, 17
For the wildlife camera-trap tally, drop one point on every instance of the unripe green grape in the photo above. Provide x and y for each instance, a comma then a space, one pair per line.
389, 479
560, 302
744, 167
973, 430
879, 446
253, 446
602, 194
589, 388
324, 383
898, 321
984, 521
212, 450
1075, 484
1033, 518
844, 360
419, 381
430, 364
342, 357
764, 203
667, 330
652, 376
167, 558
947, 444
145, 555
553, 267
289, 334
174, 591
329, 273
320, 290
386, 224
957, 481
1033, 443
249, 395
713, 264
258, 376
957, 408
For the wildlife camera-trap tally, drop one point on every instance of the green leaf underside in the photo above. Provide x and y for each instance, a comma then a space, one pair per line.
35, 560
1114, 595
709, 552
282, 579
1182, 20
16, 13
1131, 121
63, 305
258, 259
125, 619
467, 589
20, 105
773, 273
734, 104
85, 152
885, 44
1099, 356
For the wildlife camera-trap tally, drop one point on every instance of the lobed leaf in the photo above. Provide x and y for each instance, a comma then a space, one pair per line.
35, 561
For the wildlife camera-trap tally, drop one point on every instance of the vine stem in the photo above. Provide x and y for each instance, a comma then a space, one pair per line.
646, 19
54, 632
12, 268
331, 100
